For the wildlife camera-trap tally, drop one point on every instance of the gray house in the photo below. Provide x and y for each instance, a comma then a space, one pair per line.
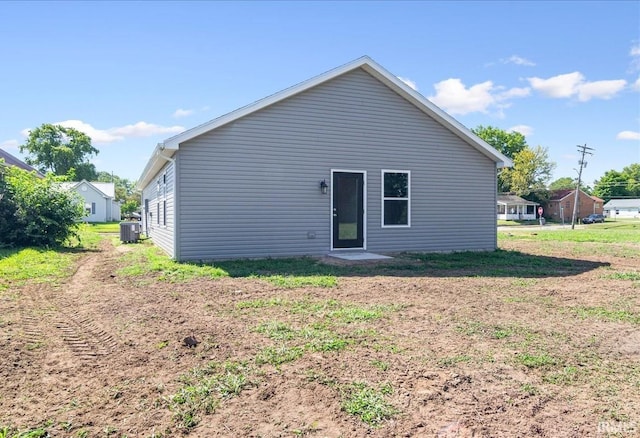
353, 159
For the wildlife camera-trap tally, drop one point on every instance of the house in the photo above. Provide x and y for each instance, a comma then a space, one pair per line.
10, 160
560, 205
622, 208
99, 200
512, 207
353, 159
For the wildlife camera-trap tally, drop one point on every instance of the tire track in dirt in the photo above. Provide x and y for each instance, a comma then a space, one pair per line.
81, 333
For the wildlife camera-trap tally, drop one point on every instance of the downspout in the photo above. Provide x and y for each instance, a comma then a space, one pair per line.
175, 197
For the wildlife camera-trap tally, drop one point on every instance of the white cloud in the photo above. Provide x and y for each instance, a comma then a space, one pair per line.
558, 86
628, 135
111, 135
182, 113
635, 50
522, 129
600, 89
518, 60
9, 144
409, 82
454, 97
636, 85
144, 129
574, 84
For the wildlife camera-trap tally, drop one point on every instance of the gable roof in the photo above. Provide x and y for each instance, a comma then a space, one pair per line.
559, 195
13, 161
513, 199
623, 203
106, 190
168, 148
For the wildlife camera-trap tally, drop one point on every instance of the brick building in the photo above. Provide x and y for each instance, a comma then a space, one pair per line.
560, 205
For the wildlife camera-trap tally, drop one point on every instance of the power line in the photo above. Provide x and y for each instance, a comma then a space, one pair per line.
583, 164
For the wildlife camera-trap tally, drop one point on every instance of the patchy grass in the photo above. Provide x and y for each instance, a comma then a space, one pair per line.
608, 232
605, 314
368, 403
291, 281
633, 276
8, 432
203, 389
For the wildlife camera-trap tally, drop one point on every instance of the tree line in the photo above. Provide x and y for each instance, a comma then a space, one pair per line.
531, 172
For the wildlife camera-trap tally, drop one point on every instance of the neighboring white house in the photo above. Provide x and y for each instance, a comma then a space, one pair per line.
353, 159
513, 208
622, 208
99, 200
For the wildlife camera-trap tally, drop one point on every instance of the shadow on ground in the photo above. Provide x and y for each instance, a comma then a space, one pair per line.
498, 263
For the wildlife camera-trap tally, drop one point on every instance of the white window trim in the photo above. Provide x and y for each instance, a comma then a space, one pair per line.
382, 198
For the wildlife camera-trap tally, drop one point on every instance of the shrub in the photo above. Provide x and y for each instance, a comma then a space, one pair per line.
35, 211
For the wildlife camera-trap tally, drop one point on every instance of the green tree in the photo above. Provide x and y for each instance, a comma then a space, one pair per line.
564, 183
61, 151
530, 172
126, 191
508, 143
36, 211
614, 184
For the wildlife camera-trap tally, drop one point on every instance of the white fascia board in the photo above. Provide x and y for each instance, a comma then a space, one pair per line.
154, 165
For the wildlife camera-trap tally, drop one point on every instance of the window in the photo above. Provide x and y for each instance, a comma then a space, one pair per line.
158, 215
93, 208
396, 198
502, 209
530, 209
164, 212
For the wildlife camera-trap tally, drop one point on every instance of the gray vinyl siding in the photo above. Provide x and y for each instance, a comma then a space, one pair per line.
251, 188
161, 234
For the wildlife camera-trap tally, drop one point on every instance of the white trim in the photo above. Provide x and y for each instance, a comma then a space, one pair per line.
382, 198
364, 209
172, 144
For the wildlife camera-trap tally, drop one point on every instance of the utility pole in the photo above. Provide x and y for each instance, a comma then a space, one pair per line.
583, 150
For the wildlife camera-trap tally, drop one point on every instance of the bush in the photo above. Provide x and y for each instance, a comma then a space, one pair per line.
35, 211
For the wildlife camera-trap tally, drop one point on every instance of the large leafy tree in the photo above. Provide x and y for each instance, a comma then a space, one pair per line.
615, 184
60, 150
531, 166
564, 183
508, 143
530, 172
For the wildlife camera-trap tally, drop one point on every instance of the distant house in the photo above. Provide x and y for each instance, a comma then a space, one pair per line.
353, 159
99, 200
622, 208
512, 208
10, 160
560, 205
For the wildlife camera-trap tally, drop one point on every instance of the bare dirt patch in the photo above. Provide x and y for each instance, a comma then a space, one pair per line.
453, 354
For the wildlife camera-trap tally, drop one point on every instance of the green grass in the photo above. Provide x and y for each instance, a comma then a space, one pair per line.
633, 276
8, 432
608, 232
149, 259
536, 360
368, 403
203, 389
109, 227
604, 314
32, 265
277, 355
292, 281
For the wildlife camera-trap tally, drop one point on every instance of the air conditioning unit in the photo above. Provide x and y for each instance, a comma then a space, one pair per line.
129, 231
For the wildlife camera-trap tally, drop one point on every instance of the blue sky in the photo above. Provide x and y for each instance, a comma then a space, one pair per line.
131, 74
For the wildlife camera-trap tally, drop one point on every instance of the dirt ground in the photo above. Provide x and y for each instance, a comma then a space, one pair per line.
101, 354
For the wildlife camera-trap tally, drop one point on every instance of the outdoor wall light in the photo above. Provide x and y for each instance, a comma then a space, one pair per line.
323, 187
